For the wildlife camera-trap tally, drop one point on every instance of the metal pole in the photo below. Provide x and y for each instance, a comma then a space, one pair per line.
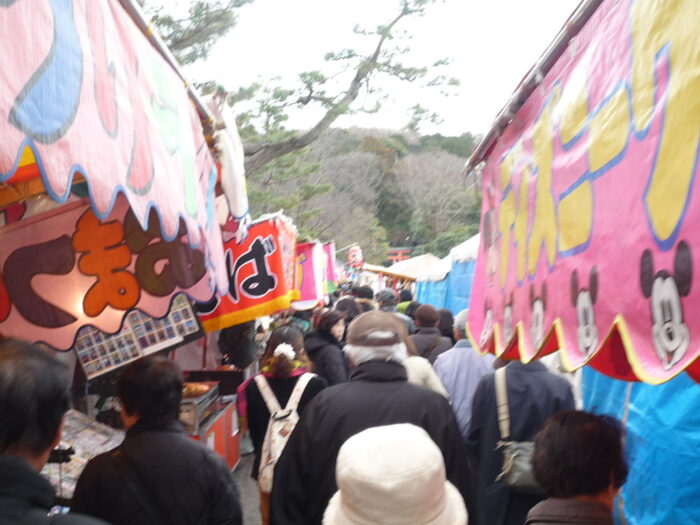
139, 18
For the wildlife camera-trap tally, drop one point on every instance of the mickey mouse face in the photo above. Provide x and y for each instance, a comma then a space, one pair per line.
587, 330
583, 300
670, 333
488, 324
539, 304
508, 322
537, 328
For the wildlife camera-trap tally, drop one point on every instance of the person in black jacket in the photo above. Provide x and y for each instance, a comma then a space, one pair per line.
377, 394
323, 348
428, 339
534, 394
158, 474
34, 397
282, 375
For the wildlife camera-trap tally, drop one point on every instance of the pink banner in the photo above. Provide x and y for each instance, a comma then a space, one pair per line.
590, 213
66, 269
331, 274
310, 275
84, 92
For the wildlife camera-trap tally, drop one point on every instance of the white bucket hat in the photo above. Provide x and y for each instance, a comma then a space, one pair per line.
393, 475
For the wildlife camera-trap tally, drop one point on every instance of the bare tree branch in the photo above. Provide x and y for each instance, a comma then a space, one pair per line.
258, 155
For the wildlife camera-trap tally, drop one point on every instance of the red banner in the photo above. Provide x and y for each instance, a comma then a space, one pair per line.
261, 276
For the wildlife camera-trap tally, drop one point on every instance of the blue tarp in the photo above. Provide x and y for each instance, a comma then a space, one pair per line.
432, 292
459, 286
663, 446
453, 292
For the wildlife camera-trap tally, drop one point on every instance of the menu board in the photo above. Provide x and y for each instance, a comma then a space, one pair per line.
88, 438
141, 335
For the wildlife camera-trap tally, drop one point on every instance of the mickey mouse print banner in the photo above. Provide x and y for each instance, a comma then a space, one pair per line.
591, 214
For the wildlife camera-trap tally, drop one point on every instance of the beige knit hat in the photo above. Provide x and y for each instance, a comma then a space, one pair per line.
393, 475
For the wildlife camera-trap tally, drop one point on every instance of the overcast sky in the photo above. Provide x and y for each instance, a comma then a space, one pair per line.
491, 44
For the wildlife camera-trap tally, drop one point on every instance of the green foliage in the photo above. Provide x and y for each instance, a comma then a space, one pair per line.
394, 211
445, 241
191, 36
373, 188
461, 146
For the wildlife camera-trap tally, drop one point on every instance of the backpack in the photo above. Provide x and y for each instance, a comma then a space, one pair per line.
280, 426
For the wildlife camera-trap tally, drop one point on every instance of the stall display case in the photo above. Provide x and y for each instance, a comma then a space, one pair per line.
87, 438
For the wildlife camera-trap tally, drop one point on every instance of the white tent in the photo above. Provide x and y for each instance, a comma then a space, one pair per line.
416, 266
466, 251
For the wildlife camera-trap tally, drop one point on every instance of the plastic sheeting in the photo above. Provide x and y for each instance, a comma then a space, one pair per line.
432, 292
453, 292
459, 286
663, 446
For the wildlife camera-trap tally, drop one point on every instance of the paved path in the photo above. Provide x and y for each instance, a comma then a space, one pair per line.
250, 498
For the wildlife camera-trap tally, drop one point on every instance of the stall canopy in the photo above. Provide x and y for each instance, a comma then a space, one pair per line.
84, 96
416, 266
448, 285
590, 212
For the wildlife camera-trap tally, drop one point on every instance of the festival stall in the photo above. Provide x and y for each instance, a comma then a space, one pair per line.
449, 284
110, 230
589, 233
431, 285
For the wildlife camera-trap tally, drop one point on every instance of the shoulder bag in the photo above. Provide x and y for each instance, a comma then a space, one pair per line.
516, 473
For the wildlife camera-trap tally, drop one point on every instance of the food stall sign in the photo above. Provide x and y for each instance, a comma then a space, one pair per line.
261, 275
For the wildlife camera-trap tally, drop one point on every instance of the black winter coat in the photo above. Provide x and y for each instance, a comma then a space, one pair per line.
430, 342
327, 357
188, 481
26, 497
259, 415
377, 394
534, 394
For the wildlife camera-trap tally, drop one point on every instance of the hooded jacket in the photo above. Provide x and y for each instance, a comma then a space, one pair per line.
327, 357
377, 394
26, 496
558, 511
189, 482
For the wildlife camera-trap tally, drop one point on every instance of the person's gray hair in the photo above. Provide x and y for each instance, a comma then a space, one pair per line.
460, 323
358, 354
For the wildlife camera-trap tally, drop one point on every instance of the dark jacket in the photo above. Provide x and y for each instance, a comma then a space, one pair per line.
556, 511
184, 478
259, 415
377, 394
534, 394
430, 342
327, 357
26, 497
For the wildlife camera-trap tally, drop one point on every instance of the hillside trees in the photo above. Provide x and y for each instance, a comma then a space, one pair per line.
386, 189
356, 187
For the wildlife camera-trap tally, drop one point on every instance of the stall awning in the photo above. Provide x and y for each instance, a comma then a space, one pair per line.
84, 96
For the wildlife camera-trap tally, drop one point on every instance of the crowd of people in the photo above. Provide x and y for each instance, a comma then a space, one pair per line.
375, 409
